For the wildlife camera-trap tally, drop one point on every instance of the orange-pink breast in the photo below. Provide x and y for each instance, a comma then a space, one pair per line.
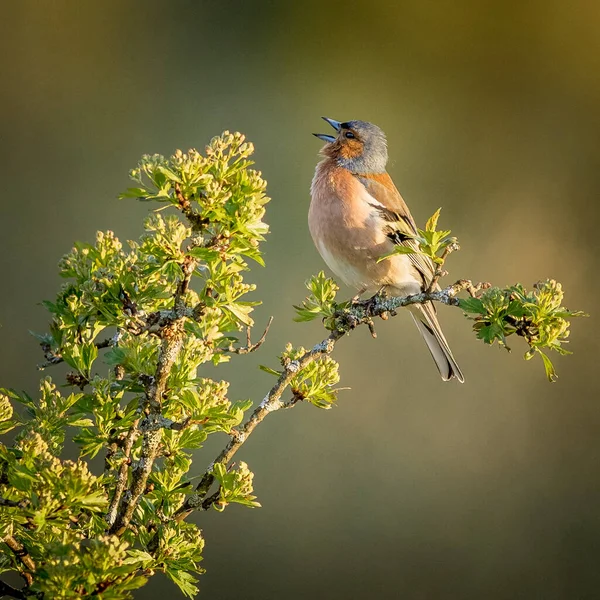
349, 233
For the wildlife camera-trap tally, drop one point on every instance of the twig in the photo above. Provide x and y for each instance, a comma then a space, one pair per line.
111, 514
271, 402
23, 556
439, 267
198, 223
250, 347
55, 359
171, 344
13, 503
212, 499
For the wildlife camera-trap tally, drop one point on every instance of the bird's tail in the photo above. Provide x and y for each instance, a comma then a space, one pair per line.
427, 323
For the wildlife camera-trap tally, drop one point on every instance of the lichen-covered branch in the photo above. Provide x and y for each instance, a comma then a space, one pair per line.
347, 320
121, 483
172, 338
271, 402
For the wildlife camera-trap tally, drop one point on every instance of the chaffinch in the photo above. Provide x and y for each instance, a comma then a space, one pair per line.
357, 215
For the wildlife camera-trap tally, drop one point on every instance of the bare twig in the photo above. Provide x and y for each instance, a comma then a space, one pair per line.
250, 347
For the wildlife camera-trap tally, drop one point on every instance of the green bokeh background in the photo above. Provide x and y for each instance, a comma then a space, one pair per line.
411, 488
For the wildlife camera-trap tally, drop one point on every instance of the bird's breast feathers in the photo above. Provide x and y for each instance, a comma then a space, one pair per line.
349, 231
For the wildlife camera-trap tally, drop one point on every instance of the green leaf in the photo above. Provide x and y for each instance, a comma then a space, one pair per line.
269, 370
472, 305
192, 438
549, 367
398, 250
133, 192
241, 312
202, 253
432, 221
169, 174
184, 581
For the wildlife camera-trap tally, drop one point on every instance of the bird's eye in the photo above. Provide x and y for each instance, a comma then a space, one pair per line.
349, 135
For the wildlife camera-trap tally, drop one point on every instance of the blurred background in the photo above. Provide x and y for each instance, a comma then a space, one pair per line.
410, 488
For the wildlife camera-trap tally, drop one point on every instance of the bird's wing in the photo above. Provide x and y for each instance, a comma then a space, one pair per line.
400, 225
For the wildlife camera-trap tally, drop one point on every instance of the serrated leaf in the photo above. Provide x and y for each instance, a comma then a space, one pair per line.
184, 581
240, 311
472, 305
432, 221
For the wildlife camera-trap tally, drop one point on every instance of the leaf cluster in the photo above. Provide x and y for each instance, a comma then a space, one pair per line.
235, 485
537, 316
321, 299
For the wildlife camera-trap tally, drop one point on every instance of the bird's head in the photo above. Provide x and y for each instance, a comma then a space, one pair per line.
359, 146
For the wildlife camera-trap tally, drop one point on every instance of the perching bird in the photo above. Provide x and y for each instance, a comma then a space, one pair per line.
357, 215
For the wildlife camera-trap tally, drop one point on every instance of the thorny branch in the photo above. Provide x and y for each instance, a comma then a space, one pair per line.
172, 339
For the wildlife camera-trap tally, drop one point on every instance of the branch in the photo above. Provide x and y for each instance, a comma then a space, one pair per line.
13, 503
347, 319
55, 359
121, 484
171, 344
439, 267
198, 223
172, 340
23, 556
250, 347
271, 402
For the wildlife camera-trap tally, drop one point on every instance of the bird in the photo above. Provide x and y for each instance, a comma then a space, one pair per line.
357, 216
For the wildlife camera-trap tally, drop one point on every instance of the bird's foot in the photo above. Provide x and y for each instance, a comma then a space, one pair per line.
370, 304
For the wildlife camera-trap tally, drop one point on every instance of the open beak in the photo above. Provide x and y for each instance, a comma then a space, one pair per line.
329, 138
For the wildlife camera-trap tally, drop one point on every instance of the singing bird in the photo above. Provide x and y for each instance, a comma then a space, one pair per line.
357, 215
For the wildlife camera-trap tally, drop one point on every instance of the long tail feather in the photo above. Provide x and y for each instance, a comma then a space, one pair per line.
427, 323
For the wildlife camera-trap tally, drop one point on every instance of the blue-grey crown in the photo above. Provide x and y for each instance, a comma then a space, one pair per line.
375, 155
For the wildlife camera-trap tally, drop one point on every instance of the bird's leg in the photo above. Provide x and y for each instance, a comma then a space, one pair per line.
356, 298
372, 302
